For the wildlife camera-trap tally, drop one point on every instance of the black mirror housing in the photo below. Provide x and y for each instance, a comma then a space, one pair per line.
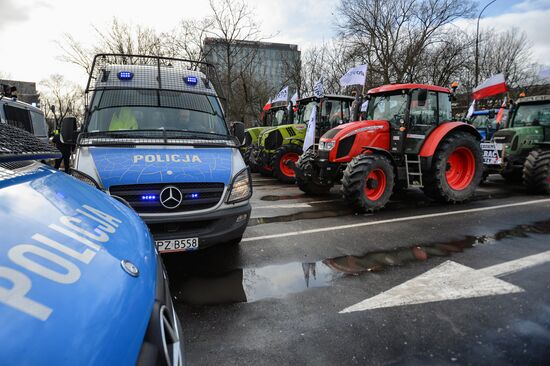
422, 97
68, 130
237, 130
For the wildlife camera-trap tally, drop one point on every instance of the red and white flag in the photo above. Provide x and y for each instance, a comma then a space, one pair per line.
267, 105
500, 113
492, 86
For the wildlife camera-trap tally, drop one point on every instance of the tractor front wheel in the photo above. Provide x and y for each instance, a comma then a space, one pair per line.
457, 169
536, 171
283, 154
307, 185
368, 182
248, 161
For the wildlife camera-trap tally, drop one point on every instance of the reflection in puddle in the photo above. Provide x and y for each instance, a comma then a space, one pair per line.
277, 281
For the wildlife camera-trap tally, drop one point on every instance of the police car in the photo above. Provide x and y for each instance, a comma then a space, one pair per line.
156, 138
80, 281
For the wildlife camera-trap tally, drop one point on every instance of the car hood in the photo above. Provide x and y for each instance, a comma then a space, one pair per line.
123, 166
62, 244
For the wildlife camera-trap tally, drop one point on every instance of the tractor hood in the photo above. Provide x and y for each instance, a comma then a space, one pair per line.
353, 128
65, 298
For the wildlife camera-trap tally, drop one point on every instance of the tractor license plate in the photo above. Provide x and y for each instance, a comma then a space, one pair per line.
177, 245
492, 153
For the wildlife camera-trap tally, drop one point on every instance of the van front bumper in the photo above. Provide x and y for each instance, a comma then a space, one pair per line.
220, 226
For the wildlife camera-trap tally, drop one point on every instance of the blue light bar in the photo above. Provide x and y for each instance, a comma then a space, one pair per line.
125, 75
191, 80
193, 196
148, 197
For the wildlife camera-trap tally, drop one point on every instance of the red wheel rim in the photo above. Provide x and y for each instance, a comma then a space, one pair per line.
461, 168
284, 168
375, 184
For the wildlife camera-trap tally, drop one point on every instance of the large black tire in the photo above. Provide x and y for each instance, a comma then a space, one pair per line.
280, 171
536, 171
467, 149
265, 170
246, 156
307, 185
368, 182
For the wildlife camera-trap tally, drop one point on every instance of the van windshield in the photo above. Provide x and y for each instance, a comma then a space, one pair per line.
134, 109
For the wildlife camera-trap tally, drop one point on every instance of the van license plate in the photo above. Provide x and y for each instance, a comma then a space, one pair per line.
177, 245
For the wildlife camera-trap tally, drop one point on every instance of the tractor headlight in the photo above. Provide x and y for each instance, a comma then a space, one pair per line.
327, 146
241, 187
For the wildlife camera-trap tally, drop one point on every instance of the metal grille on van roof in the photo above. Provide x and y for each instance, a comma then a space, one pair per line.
115, 71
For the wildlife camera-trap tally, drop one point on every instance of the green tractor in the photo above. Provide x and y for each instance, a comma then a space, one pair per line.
522, 149
272, 115
278, 145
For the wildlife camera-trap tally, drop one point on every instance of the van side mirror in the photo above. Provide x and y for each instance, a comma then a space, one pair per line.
422, 97
237, 130
68, 130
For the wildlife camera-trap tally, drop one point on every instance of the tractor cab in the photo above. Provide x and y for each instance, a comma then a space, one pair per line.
485, 122
332, 111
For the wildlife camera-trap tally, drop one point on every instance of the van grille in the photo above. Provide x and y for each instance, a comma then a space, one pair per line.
209, 194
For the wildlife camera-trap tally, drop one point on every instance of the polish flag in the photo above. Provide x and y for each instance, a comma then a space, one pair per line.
267, 105
492, 86
500, 113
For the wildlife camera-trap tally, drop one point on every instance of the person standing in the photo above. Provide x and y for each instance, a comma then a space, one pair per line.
65, 150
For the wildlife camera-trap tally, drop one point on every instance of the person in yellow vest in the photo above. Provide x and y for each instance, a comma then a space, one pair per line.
124, 119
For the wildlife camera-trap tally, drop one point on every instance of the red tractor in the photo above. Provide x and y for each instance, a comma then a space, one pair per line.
407, 139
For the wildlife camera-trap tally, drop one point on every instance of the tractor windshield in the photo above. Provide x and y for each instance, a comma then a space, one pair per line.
387, 106
305, 111
532, 115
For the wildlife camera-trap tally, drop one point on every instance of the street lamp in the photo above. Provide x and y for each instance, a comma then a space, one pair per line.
477, 41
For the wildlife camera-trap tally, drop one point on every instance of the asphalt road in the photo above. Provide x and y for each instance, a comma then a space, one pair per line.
417, 283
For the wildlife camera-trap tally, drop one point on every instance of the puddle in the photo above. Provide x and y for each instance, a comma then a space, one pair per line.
278, 281
272, 198
306, 215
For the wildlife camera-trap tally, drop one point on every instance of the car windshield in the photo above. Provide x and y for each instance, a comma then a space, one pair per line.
117, 110
386, 106
532, 115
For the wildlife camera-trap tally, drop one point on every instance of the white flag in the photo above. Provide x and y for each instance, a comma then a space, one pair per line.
471, 109
355, 76
365, 106
318, 89
310, 133
282, 96
293, 100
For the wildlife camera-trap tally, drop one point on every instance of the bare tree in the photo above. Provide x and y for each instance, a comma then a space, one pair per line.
61, 98
392, 35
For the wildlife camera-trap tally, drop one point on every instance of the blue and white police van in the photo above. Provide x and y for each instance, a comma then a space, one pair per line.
156, 137
80, 280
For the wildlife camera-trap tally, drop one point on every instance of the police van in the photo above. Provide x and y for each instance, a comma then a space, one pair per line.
156, 137
80, 281
24, 116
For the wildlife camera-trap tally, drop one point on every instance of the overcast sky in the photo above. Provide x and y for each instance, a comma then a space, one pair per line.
29, 28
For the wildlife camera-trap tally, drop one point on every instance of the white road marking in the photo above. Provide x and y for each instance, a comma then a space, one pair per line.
399, 219
293, 205
451, 281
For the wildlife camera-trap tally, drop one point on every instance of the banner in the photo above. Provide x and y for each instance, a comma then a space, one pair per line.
318, 89
355, 76
471, 109
365, 106
310, 133
282, 96
492, 86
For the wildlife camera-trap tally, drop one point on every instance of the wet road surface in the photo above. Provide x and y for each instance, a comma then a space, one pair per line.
443, 283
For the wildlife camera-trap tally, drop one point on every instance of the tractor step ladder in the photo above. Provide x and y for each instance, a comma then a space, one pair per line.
413, 169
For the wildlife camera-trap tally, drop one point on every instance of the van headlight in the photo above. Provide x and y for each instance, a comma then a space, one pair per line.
241, 187
84, 178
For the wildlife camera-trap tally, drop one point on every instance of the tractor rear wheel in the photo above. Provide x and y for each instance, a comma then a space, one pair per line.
307, 185
281, 171
368, 182
457, 169
536, 171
